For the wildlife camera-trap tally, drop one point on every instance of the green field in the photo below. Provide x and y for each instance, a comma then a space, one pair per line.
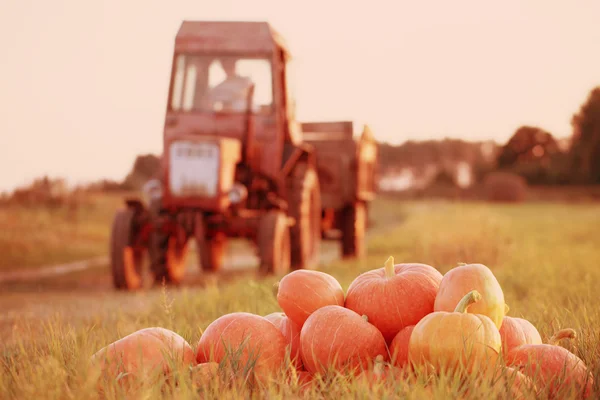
41, 236
546, 257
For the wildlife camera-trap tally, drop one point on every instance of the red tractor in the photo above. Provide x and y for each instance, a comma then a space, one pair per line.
234, 163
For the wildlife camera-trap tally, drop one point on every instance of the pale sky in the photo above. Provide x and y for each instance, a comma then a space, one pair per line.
83, 84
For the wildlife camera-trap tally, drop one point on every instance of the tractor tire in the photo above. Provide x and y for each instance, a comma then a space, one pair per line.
353, 230
126, 261
168, 257
211, 251
304, 205
274, 245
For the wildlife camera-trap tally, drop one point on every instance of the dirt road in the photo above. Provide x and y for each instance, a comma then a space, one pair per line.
84, 289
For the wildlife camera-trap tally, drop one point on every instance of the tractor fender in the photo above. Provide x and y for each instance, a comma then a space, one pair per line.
302, 152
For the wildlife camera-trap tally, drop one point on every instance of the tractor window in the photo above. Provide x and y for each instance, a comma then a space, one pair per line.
204, 83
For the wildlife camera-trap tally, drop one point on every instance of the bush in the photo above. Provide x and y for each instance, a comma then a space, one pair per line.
505, 187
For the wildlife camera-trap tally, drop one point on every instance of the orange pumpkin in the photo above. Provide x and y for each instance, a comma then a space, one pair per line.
144, 352
204, 374
399, 347
395, 296
302, 292
461, 280
304, 380
510, 380
516, 332
337, 338
551, 366
291, 332
383, 373
245, 341
456, 340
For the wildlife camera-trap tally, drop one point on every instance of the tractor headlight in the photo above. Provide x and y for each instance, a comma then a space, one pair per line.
152, 191
238, 193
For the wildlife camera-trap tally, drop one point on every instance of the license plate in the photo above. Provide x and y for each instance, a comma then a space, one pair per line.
193, 169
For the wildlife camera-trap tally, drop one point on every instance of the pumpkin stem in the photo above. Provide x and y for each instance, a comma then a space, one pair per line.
470, 298
389, 268
365, 318
562, 334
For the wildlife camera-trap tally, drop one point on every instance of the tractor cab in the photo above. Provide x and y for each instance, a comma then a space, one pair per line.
228, 100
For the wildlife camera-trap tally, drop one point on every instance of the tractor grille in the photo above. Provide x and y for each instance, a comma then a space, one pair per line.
193, 169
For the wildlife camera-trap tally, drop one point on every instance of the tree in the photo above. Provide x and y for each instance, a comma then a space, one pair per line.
145, 167
533, 154
529, 143
585, 144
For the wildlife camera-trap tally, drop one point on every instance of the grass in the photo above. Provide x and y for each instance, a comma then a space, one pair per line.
42, 236
545, 256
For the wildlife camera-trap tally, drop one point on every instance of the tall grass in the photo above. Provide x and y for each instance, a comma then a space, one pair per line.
545, 256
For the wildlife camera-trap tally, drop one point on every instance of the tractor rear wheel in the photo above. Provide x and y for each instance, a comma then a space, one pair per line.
273, 241
168, 256
305, 207
125, 259
211, 250
354, 225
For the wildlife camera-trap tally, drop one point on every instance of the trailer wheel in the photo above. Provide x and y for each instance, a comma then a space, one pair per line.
353, 230
126, 260
273, 241
169, 256
211, 251
305, 207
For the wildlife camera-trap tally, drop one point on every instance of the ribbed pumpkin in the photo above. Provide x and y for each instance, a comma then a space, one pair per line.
516, 332
395, 296
399, 347
511, 380
302, 292
204, 374
144, 352
291, 332
336, 338
456, 340
552, 366
459, 281
252, 342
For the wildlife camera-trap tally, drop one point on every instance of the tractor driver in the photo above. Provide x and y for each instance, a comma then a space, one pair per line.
233, 91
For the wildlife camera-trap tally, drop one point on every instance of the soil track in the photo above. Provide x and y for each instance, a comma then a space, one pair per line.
81, 290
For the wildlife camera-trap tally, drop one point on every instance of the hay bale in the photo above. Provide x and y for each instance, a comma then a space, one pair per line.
505, 187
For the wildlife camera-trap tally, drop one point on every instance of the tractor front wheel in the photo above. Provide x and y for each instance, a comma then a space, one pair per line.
169, 256
274, 248
211, 250
126, 259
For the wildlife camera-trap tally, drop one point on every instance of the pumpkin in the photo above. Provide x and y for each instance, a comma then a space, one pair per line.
395, 296
245, 341
143, 352
459, 281
303, 380
456, 340
552, 367
302, 292
511, 380
382, 373
399, 347
336, 338
291, 332
516, 332
204, 374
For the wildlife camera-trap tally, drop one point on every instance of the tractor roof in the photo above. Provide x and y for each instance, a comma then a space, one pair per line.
229, 37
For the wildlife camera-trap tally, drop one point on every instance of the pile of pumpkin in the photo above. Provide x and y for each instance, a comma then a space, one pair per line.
392, 319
